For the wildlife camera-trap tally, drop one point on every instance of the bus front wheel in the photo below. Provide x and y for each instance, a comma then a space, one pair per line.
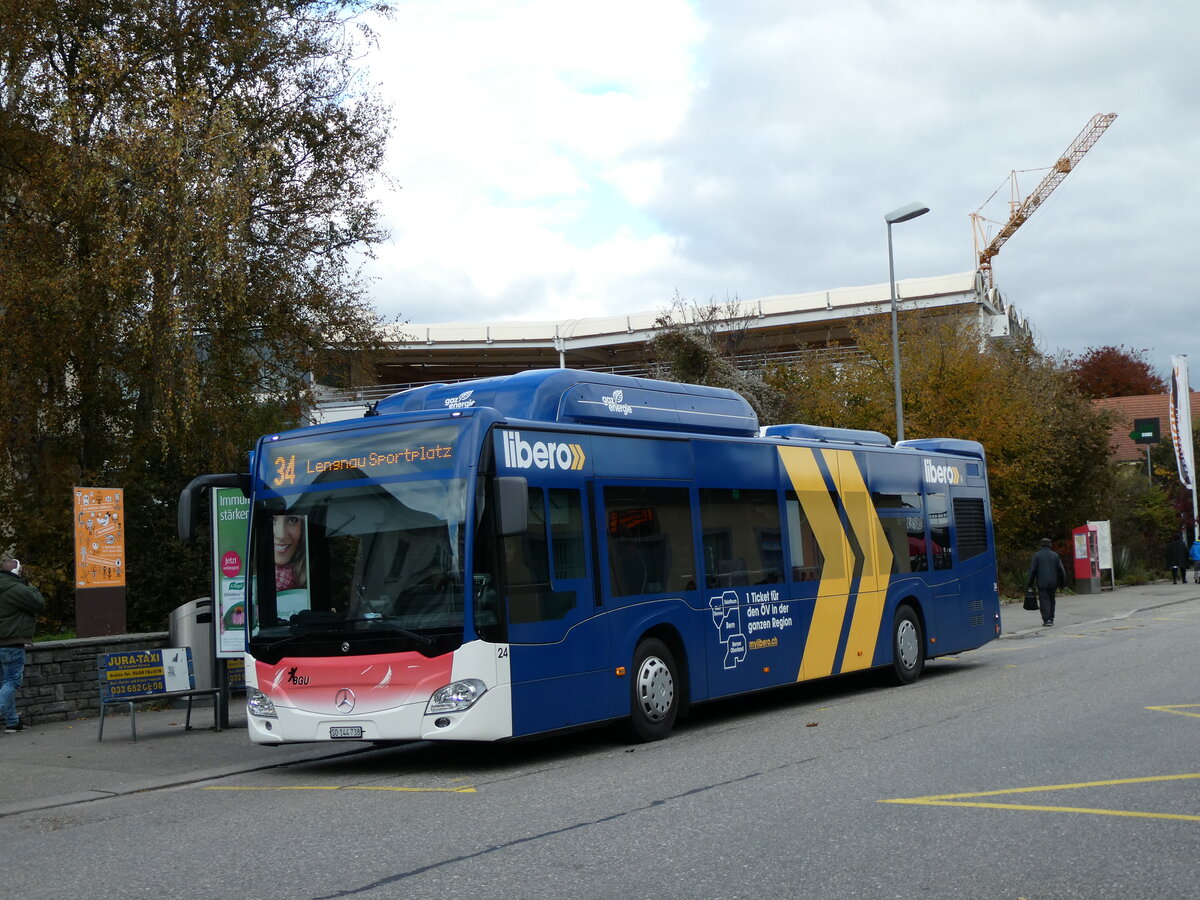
908, 646
654, 693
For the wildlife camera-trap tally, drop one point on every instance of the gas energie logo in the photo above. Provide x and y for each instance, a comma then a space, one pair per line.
616, 403
521, 454
462, 401
942, 474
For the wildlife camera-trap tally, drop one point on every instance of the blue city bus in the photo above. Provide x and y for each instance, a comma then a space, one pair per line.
522, 555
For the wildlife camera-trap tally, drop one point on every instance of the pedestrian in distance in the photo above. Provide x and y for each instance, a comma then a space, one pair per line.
1177, 560
1047, 574
1194, 555
20, 604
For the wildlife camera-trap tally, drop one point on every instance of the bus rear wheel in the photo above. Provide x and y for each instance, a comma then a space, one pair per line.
908, 646
654, 692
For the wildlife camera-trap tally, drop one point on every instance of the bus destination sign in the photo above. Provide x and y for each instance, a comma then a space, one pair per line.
380, 453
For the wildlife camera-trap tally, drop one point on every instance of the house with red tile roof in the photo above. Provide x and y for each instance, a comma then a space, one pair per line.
1144, 406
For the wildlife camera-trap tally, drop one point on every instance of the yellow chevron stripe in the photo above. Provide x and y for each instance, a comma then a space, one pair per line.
833, 592
877, 565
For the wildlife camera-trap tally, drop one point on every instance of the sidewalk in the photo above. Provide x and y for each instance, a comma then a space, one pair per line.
1075, 609
62, 763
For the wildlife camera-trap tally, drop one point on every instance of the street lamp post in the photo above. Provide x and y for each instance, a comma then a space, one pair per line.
903, 214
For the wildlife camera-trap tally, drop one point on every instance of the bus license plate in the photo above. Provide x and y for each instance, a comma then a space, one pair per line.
345, 731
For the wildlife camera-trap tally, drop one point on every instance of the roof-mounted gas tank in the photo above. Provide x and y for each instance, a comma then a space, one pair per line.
956, 446
828, 434
594, 398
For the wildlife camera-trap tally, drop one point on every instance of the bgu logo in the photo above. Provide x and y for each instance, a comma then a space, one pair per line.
521, 454
942, 474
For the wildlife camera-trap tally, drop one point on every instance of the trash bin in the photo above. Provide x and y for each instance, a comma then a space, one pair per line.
192, 626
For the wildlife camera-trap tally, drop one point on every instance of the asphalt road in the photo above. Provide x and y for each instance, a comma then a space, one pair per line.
1061, 764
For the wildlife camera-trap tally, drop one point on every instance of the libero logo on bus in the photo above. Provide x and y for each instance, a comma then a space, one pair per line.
935, 474
522, 454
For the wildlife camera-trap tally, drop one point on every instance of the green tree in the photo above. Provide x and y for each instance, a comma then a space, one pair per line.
1142, 520
182, 186
1165, 476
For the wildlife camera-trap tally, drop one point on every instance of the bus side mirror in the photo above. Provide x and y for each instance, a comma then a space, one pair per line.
512, 500
189, 499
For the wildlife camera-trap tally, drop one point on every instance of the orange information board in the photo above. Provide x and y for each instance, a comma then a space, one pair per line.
99, 537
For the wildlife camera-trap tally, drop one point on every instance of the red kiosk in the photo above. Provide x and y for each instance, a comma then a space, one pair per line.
1087, 559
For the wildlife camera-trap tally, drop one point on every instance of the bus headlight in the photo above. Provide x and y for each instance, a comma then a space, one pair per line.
259, 704
456, 697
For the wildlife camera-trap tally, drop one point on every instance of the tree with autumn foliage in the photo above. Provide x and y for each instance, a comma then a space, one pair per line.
1047, 446
182, 186
1114, 372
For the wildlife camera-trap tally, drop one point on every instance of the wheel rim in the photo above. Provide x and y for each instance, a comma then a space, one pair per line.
906, 643
656, 688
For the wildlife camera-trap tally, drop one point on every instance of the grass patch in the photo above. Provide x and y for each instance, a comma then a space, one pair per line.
59, 636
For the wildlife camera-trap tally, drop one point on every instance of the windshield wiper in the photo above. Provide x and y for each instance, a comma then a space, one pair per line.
422, 640
297, 635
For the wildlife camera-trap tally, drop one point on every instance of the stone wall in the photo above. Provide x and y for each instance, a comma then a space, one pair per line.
60, 676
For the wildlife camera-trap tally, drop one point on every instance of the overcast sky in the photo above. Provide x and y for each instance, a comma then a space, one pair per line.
570, 158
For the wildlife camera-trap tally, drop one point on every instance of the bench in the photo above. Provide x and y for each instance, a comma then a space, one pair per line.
139, 675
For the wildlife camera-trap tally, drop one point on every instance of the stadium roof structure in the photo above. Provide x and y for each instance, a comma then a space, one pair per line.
777, 328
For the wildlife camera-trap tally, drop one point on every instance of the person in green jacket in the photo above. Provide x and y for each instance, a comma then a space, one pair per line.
20, 603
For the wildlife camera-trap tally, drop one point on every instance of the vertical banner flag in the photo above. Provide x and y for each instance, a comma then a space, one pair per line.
1181, 421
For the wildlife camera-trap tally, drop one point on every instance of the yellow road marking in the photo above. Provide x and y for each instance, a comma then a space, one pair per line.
347, 787
1176, 709
965, 799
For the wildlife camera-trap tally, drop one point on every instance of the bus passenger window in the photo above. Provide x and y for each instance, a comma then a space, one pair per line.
742, 537
939, 529
897, 538
649, 540
527, 563
806, 558
566, 534
918, 555
905, 533
531, 597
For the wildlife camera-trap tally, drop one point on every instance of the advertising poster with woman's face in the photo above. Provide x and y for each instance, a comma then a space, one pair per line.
290, 545
231, 520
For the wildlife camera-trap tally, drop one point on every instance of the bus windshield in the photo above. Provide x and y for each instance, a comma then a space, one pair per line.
372, 567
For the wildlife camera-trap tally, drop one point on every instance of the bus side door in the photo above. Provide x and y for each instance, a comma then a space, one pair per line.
559, 647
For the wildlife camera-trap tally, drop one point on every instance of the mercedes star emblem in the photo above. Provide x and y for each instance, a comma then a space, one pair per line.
344, 701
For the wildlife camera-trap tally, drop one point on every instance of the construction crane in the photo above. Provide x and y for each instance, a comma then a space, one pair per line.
1020, 210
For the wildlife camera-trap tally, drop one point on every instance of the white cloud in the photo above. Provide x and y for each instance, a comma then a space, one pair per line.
517, 127
568, 159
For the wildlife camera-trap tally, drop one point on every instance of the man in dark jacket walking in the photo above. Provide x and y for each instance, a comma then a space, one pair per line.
1046, 572
1177, 560
20, 604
